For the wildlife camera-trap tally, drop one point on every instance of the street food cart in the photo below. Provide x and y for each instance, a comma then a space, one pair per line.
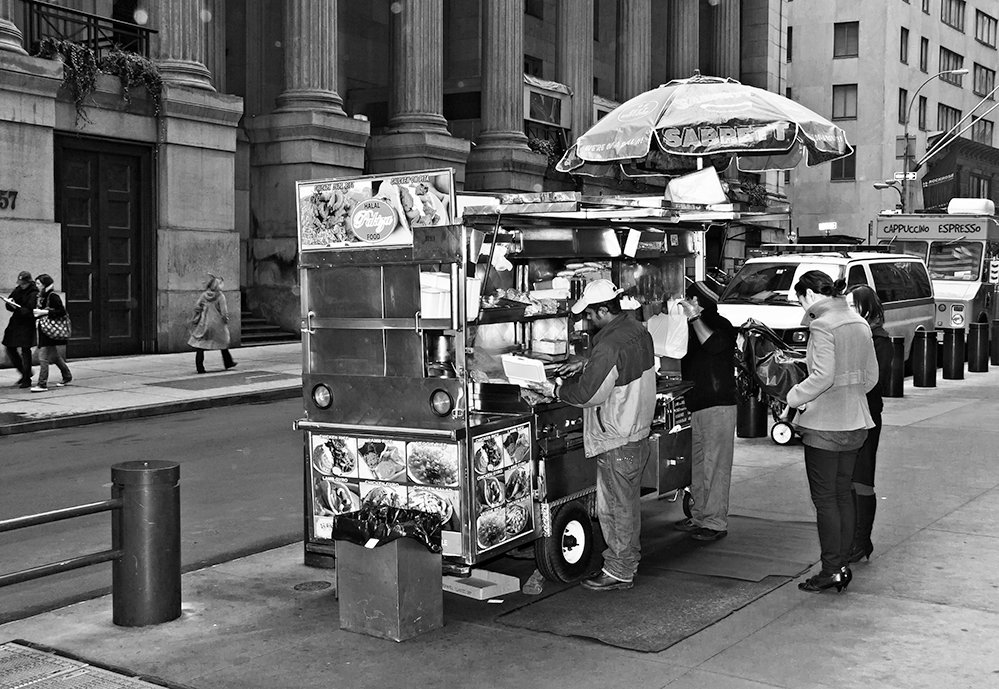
423, 312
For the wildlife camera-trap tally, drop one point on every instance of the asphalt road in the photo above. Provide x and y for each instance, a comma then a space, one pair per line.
240, 492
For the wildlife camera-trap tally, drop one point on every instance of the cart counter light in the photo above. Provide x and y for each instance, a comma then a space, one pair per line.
441, 402
322, 396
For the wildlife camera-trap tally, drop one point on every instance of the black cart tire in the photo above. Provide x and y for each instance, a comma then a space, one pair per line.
782, 433
565, 555
688, 503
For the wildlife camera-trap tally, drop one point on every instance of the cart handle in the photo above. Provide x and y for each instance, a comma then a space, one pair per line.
419, 325
308, 323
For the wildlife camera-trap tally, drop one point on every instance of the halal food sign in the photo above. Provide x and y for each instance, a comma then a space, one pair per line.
373, 220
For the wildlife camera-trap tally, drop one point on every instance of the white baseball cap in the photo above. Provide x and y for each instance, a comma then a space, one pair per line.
596, 292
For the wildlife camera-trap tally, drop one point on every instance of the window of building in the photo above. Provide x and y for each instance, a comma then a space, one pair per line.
947, 117
981, 132
985, 28
787, 93
534, 8
533, 66
985, 81
846, 42
903, 105
952, 13
844, 102
790, 43
980, 187
921, 113
926, 6
924, 55
950, 60
844, 168
903, 46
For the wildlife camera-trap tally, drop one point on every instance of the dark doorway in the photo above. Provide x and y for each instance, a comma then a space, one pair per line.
103, 203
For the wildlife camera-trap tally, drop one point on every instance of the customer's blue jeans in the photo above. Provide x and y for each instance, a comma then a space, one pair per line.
830, 480
619, 483
52, 354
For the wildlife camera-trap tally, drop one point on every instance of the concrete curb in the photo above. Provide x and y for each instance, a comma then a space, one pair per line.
151, 410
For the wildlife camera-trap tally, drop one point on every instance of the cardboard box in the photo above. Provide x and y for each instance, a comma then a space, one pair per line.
392, 591
482, 584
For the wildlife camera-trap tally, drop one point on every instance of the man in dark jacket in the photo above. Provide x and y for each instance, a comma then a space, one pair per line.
616, 388
710, 365
19, 337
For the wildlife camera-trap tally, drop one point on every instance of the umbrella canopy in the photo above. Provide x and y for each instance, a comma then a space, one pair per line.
665, 131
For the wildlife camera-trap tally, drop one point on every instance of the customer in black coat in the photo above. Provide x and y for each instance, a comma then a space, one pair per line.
19, 337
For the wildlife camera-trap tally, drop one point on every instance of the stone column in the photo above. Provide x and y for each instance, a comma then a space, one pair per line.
726, 34
501, 159
683, 46
417, 97
311, 53
634, 48
215, 38
575, 59
181, 28
10, 35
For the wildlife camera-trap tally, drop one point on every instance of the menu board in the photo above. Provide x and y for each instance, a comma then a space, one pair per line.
348, 473
362, 212
503, 481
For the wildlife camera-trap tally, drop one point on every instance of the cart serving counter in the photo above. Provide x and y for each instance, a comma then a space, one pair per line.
418, 324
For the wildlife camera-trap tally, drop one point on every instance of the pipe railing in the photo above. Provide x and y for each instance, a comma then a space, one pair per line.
100, 34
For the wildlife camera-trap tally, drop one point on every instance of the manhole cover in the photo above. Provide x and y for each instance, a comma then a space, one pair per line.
312, 586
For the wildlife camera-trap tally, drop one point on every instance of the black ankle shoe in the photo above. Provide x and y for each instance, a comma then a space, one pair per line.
847, 575
861, 551
822, 581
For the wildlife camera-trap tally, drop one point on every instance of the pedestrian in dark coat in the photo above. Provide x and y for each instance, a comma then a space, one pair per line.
50, 349
19, 337
210, 324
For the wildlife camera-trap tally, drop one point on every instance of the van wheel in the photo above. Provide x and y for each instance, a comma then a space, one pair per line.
782, 433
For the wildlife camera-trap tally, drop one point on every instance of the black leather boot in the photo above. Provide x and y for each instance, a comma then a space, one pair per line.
867, 506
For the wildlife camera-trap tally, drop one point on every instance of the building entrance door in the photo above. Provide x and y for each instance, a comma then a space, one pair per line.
103, 203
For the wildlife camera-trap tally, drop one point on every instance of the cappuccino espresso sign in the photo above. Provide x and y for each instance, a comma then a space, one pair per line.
935, 227
362, 212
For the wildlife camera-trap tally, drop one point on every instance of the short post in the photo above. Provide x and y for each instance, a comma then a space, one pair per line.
994, 347
751, 416
978, 347
924, 359
896, 377
146, 578
953, 354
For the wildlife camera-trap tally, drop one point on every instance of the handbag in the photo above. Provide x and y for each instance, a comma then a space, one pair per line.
669, 334
56, 328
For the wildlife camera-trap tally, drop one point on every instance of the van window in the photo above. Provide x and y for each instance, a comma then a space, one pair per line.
952, 260
900, 281
856, 276
769, 282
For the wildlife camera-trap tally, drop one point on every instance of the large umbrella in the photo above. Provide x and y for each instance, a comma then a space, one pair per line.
665, 131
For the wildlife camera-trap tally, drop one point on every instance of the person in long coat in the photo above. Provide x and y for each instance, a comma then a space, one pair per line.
19, 336
210, 324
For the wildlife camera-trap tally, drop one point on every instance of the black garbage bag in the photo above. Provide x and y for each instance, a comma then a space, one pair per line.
384, 524
765, 362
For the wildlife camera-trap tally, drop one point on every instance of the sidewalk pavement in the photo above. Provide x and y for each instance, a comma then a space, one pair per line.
129, 387
922, 613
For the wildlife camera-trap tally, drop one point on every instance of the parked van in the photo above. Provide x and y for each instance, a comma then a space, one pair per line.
763, 289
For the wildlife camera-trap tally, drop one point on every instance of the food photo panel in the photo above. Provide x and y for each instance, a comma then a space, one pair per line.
488, 454
518, 518
382, 459
439, 501
490, 528
432, 464
334, 455
518, 482
517, 443
382, 494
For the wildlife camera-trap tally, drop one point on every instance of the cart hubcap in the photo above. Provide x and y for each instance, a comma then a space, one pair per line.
782, 434
573, 542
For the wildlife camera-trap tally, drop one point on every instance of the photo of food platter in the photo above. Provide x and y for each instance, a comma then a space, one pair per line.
334, 455
437, 501
379, 494
517, 444
490, 491
488, 453
518, 518
382, 460
518, 482
501, 524
335, 496
432, 464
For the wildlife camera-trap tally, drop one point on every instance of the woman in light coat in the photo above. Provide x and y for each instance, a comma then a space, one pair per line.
50, 350
210, 324
833, 417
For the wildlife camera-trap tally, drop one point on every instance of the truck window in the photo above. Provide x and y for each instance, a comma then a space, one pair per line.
757, 283
913, 248
900, 281
856, 276
955, 260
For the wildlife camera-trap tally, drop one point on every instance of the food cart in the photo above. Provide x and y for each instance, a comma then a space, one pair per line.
422, 313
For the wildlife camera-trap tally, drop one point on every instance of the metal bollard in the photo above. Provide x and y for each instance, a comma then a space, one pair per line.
995, 344
146, 578
751, 417
896, 378
924, 359
978, 347
953, 353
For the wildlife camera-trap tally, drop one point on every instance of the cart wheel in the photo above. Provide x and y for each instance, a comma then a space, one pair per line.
782, 433
688, 502
565, 555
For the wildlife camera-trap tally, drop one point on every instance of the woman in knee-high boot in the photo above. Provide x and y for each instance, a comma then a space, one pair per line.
866, 303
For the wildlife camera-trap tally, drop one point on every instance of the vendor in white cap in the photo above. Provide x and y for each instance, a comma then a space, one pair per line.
616, 388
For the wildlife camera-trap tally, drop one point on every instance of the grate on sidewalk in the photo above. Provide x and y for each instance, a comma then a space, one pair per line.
223, 380
22, 667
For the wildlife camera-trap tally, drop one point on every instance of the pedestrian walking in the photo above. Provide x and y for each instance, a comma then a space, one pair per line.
51, 340
864, 301
710, 365
833, 417
19, 336
210, 324
616, 388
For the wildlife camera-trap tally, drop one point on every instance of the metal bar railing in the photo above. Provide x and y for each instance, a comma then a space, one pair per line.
58, 515
100, 34
59, 567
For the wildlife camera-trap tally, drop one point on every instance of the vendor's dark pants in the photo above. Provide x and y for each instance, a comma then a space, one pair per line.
830, 480
619, 509
20, 357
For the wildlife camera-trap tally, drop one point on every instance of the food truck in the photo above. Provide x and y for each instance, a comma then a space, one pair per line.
961, 251
425, 316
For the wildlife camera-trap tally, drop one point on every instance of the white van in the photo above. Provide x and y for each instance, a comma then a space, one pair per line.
763, 289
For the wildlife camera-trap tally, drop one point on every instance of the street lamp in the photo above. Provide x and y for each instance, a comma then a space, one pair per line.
892, 184
908, 113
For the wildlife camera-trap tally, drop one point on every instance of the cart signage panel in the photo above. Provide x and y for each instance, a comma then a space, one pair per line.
373, 210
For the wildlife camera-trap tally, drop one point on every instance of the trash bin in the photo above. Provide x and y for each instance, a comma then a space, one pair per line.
924, 359
388, 571
953, 353
751, 416
978, 347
